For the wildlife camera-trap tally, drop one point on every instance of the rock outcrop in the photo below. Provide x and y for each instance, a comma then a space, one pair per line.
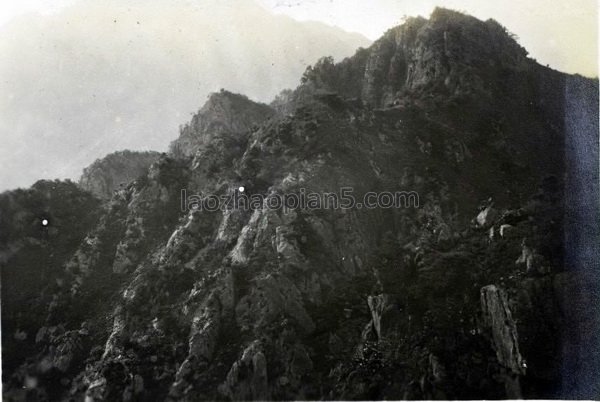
498, 318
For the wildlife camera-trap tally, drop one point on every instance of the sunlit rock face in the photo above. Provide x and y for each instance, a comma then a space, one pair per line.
431, 301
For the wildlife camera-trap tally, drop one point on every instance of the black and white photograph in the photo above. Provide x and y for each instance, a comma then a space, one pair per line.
299, 200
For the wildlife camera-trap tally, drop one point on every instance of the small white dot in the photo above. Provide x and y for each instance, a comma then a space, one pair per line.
241, 189
44, 222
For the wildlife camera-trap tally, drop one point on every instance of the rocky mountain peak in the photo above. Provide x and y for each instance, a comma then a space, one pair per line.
450, 53
223, 112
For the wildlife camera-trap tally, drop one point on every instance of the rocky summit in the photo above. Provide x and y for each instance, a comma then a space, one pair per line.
484, 287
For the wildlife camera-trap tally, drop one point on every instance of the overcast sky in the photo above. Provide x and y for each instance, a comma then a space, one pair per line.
95, 77
560, 33
83, 78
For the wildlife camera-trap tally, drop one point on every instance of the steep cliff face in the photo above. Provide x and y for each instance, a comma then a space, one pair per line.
103, 177
446, 297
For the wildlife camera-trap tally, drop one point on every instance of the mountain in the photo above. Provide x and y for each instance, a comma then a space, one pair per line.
92, 78
472, 278
103, 177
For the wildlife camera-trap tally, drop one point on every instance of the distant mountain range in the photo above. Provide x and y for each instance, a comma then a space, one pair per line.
98, 77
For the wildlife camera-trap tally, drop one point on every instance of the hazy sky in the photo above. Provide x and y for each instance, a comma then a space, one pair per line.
560, 33
95, 76
83, 78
